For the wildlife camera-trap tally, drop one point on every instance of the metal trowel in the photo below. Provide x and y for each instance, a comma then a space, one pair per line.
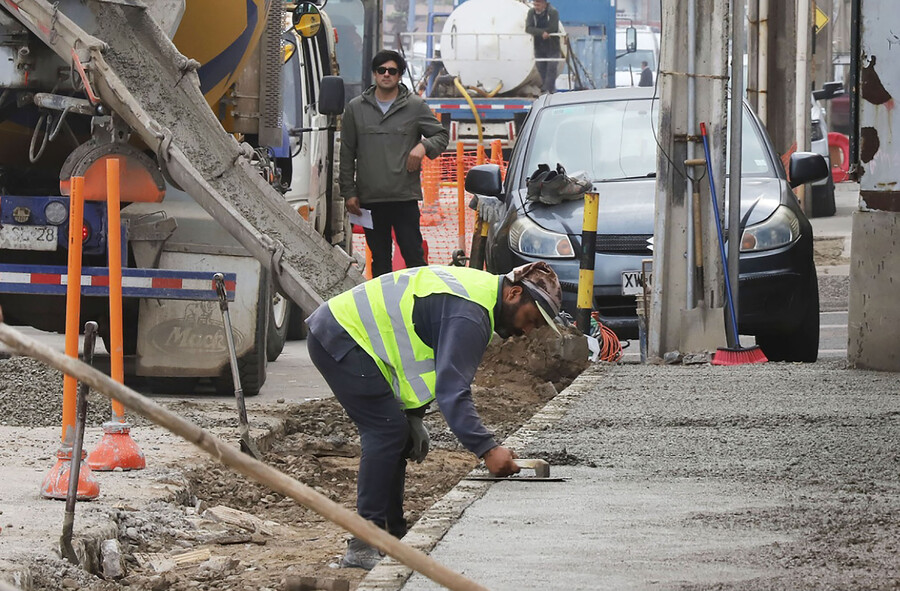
541, 470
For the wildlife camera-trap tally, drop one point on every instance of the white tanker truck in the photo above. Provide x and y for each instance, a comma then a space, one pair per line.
482, 63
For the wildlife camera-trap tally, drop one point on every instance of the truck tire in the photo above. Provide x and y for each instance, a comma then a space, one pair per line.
297, 329
803, 343
280, 309
252, 364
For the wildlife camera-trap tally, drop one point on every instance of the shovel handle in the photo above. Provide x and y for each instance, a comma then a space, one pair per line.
541, 467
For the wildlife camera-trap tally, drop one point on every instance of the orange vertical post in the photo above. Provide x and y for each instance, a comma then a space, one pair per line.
480, 157
116, 448
496, 152
56, 483
461, 194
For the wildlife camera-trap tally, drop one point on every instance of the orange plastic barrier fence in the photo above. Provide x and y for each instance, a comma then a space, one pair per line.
445, 205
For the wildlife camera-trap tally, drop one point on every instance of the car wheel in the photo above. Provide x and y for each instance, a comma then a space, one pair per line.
823, 200
279, 320
297, 329
803, 343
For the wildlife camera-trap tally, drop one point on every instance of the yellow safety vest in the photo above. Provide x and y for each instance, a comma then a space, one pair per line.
378, 315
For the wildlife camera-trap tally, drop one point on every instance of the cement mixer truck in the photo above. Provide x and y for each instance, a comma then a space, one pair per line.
187, 95
481, 78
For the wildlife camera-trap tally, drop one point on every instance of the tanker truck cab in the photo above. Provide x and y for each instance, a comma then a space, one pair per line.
628, 63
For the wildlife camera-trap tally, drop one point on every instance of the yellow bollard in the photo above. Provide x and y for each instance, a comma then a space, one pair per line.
586, 270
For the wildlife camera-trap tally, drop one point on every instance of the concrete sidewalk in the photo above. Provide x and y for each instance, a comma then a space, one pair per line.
769, 476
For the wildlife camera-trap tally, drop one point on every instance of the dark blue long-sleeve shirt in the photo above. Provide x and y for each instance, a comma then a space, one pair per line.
459, 331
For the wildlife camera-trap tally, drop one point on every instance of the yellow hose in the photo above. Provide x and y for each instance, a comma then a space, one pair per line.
465, 94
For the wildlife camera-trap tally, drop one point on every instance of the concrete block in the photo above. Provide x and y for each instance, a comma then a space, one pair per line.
111, 564
874, 313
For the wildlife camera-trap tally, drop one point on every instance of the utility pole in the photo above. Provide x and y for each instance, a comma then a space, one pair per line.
874, 341
687, 295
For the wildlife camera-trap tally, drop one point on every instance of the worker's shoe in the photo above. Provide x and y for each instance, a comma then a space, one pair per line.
557, 186
360, 555
535, 182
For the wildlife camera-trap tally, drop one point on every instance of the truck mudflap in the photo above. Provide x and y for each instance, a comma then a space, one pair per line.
187, 338
131, 66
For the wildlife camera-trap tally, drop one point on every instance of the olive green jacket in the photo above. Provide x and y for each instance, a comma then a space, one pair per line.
375, 146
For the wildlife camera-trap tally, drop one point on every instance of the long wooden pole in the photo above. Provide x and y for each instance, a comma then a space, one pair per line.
231, 456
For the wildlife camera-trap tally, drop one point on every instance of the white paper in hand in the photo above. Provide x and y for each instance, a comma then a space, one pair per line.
364, 218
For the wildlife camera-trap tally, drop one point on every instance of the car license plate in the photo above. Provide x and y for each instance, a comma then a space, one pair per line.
28, 237
633, 282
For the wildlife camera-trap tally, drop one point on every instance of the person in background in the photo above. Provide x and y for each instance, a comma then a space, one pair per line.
542, 22
385, 133
391, 346
646, 75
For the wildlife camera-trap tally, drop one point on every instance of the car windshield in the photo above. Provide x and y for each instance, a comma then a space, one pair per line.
632, 61
614, 140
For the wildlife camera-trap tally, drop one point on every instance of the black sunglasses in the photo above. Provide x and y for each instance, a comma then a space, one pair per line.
392, 71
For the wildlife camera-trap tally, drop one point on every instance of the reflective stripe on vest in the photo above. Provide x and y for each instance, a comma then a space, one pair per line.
378, 315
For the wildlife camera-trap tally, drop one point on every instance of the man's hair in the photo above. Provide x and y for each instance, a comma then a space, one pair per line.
645, 64
389, 55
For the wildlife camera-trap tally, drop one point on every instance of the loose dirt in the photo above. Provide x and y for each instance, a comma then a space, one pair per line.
269, 536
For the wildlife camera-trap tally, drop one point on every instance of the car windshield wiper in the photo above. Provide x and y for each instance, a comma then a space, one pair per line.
649, 175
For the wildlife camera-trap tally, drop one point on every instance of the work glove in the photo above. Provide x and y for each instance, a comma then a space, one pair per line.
420, 441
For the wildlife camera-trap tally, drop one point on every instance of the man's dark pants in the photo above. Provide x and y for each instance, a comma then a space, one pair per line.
547, 71
403, 218
361, 389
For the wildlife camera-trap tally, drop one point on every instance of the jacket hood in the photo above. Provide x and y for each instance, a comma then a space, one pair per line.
369, 93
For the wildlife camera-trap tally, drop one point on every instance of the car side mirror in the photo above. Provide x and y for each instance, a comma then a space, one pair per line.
331, 95
484, 179
829, 90
807, 167
630, 40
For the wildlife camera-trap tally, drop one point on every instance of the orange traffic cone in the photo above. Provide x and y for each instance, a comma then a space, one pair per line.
116, 450
56, 482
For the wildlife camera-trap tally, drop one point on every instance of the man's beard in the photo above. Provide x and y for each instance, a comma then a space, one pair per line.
504, 324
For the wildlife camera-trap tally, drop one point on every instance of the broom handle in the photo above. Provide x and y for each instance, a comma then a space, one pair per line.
249, 467
712, 191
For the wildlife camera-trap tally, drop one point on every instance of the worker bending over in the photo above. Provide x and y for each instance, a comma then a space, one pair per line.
390, 346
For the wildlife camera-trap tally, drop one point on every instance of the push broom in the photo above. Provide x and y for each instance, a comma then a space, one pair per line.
736, 355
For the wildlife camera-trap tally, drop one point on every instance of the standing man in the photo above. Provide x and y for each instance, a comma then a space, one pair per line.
391, 346
542, 22
646, 75
384, 135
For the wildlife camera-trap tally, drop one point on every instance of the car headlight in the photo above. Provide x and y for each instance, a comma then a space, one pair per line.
528, 238
780, 229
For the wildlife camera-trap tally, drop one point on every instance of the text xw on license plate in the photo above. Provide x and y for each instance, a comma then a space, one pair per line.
633, 282
28, 237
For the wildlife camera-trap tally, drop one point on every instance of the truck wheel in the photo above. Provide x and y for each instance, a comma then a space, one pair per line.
279, 321
252, 364
297, 329
803, 343
823, 199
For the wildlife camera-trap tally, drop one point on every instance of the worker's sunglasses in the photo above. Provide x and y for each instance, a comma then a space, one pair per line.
382, 70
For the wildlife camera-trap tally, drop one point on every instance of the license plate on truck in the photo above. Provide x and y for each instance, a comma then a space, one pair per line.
632, 282
28, 237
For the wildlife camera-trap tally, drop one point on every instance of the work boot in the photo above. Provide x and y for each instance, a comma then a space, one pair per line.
559, 186
360, 555
535, 181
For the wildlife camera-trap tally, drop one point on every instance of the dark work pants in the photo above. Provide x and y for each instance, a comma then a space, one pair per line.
361, 389
403, 218
547, 71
